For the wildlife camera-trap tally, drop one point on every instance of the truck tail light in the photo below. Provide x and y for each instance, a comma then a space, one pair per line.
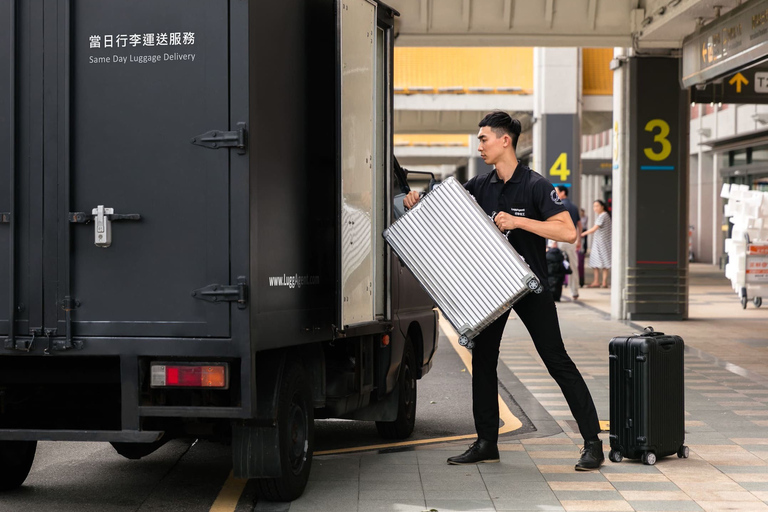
180, 375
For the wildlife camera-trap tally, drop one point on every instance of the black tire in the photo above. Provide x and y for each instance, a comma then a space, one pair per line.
649, 458
615, 456
683, 452
758, 301
402, 426
295, 421
744, 298
16, 459
136, 451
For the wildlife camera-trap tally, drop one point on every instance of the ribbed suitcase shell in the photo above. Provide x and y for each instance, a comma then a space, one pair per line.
461, 258
646, 395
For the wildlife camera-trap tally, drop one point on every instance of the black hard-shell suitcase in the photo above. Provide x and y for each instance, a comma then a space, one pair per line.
647, 397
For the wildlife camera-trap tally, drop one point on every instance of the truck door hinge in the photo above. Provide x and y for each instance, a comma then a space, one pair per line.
5, 217
216, 139
225, 293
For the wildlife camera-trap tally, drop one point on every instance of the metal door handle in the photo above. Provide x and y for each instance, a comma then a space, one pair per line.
102, 218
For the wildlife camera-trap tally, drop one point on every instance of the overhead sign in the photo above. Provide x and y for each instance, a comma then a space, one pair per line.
746, 86
596, 166
735, 40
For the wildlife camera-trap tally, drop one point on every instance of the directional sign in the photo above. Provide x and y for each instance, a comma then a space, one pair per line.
746, 86
738, 38
738, 80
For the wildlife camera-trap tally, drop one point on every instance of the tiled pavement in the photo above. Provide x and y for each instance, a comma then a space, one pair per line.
726, 406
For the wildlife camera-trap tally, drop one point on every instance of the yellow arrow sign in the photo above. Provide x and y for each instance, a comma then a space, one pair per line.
739, 80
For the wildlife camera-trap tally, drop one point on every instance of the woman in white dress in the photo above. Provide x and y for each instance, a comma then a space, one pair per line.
600, 255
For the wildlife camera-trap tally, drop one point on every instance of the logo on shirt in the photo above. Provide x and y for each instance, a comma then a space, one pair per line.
518, 212
555, 198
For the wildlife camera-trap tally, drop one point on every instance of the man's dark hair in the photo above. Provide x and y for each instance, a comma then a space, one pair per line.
502, 123
564, 190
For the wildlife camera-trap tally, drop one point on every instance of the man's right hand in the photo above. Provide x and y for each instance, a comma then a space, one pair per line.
410, 200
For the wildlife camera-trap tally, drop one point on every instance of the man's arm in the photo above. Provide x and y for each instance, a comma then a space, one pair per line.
579, 229
558, 227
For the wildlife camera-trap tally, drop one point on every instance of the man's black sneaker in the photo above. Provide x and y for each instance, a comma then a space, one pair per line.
479, 451
592, 456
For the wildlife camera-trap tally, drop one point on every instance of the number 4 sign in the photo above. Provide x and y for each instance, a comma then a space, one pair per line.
560, 167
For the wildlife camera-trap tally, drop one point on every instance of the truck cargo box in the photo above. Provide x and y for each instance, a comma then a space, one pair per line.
196, 188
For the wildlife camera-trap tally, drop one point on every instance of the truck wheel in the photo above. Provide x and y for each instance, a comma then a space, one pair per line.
403, 425
16, 459
295, 421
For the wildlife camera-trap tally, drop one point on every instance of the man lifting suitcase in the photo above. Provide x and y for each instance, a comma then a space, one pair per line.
531, 211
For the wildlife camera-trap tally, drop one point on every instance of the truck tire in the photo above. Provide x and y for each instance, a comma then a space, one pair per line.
16, 459
295, 421
402, 426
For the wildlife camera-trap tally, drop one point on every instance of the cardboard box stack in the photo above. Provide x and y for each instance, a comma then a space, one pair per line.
748, 212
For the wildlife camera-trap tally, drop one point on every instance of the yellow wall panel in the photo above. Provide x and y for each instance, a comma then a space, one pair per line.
597, 76
467, 70
431, 139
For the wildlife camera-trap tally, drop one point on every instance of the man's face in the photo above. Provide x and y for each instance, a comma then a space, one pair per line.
560, 193
491, 147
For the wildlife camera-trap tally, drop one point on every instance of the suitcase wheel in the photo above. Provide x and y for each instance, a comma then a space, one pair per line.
615, 456
682, 452
649, 458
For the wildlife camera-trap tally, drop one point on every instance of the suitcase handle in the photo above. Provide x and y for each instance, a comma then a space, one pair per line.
493, 218
648, 331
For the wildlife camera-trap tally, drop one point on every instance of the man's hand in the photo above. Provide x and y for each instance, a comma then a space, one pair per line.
505, 222
410, 200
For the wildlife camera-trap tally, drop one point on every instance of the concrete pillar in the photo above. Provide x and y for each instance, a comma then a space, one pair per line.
620, 186
656, 189
556, 111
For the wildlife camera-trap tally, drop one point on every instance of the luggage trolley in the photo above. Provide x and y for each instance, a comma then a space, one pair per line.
755, 273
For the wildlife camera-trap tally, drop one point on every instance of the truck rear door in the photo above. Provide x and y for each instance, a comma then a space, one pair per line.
6, 141
144, 79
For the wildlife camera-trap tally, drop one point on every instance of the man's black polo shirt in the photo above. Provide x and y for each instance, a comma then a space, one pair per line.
526, 194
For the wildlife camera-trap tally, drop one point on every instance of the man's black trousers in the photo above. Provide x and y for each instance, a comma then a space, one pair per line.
538, 313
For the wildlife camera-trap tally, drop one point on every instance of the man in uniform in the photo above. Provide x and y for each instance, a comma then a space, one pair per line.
572, 249
530, 209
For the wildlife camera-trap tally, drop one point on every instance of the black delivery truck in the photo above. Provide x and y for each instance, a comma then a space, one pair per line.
192, 196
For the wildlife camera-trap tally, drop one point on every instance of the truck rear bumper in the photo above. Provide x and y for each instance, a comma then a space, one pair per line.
121, 436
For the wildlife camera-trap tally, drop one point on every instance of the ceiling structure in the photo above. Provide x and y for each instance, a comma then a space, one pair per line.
585, 23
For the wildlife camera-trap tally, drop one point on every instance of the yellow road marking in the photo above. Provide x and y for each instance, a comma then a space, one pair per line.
229, 495
511, 422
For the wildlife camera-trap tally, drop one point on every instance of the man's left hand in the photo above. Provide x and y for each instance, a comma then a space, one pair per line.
505, 221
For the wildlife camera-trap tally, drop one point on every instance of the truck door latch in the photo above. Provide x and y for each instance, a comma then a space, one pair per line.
225, 293
102, 218
216, 139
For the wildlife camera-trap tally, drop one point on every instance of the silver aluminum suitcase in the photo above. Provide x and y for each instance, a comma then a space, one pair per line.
461, 259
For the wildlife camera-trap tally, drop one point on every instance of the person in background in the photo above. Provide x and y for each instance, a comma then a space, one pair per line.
571, 249
583, 251
600, 256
